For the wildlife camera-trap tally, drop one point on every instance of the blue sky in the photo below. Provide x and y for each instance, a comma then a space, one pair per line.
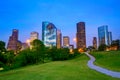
27, 16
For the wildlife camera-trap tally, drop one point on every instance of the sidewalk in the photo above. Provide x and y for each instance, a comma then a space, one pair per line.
100, 69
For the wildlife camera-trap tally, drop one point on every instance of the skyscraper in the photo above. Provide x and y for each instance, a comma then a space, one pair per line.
66, 41
81, 35
95, 42
59, 39
49, 34
103, 35
109, 38
33, 36
13, 43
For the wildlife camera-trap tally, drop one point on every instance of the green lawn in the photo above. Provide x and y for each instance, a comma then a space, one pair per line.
108, 59
75, 69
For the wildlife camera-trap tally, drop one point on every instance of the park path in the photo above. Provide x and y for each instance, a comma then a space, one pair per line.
100, 69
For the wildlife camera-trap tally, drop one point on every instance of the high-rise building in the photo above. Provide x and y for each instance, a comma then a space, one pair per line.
49, 34
81, 35
33, 36
59, 39
109, 38
24, 46
95, 42
13, 43
66, 41
103, 35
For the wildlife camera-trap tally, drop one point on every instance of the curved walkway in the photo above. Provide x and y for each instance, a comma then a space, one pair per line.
100, 69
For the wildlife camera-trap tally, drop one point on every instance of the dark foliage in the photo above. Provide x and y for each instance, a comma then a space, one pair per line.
102, 47
38, 54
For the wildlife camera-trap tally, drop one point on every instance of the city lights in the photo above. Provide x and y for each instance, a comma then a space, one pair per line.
28, 41
74, 39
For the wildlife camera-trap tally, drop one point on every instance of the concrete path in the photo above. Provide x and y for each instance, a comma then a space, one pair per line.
100, 69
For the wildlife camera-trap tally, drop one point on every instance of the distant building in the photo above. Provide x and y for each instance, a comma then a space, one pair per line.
66, 41
49, 34
24, 46
103, 35
59, 39
109, 38
33, 36
13, 43
95, 42
81, 35
71, 46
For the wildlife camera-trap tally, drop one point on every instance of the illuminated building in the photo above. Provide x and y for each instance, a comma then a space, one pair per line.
66, 41
33, 36
59, 39
24, 46
49, 34
81, 35
95, 42
71, 47
13, 43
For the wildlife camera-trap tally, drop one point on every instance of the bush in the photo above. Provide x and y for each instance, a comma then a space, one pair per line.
102, 47
1, 64
20, 60
59, 54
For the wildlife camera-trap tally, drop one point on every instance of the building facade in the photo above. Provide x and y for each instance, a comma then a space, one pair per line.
66, 41
33, 36
13, 43
81, 35
95, 42
103, 35
109, 38
24, 46
49, 34
59, 39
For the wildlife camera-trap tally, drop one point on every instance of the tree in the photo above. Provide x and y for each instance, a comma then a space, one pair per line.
38, 47
116, 43
2, 46
9, 57
59, 54
102, 47
90, 48
2, 54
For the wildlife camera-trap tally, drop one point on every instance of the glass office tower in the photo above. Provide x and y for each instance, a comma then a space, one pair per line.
49, 34
109, 38
103, 34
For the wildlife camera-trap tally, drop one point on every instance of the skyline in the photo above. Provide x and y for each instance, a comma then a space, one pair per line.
64, 14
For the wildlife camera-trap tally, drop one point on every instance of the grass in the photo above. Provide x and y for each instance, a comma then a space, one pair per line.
75, 69
108, 59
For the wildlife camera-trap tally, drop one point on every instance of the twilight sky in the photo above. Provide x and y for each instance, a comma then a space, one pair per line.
27, 16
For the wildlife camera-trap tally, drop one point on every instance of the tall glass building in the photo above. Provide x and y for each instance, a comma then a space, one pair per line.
49, 34
109, 38
103, 35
